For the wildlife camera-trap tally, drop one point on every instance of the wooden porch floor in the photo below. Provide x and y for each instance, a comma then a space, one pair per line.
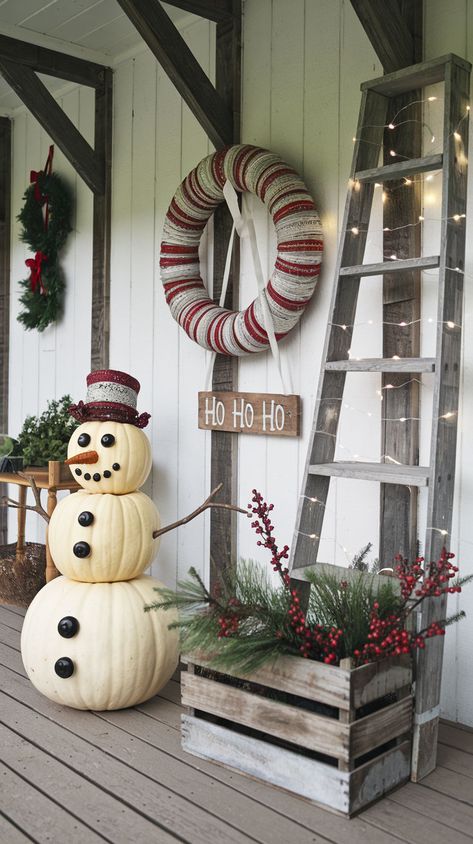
122, 777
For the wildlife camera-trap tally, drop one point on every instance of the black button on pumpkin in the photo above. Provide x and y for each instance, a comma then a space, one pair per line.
68, 627
83, 440
85, 518
64, 667
81, 549
108, 440
116, 467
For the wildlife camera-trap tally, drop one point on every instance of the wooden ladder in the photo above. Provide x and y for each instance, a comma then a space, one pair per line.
440, 474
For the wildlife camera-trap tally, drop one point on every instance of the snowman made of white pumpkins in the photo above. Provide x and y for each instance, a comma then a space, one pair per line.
86, 640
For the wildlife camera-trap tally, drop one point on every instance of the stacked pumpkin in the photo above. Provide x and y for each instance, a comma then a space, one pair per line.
86, 640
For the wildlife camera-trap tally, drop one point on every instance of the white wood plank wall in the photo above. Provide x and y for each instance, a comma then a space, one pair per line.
303, 62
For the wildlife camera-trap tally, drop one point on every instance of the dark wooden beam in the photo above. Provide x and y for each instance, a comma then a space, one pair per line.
401, 303
52, 118
388, 31
102, 227
214, 10
51, 62
175, 57
224, 446
5, 231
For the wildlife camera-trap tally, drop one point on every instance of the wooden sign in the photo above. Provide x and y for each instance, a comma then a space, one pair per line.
250, 413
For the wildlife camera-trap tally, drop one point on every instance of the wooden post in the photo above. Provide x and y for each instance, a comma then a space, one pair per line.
54, 477
446, 397
5, 200
102, 226
401, 302
224, 449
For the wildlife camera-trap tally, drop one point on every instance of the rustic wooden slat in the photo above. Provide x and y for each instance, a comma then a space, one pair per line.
178, 61
389, 172
381, 726
284, 721
446, 398
51, 62
375, 778
382, 365
387, 31
456, 735
391, 266
11, 833
308, 679
321, 449
170, 813
114, 733
101, 227
416, 76
150, 723
434, 808
5, 205
224, 446
307, 777
386, 473
55, 122
267, 414
214, 10
455, 760
377, 679
25, 806
442, 781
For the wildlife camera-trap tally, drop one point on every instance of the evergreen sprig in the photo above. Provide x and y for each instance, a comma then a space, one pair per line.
246, 621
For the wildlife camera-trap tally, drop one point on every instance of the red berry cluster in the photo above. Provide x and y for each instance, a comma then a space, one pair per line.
433, 583
263, 527
388, 637
229, 622
314, 642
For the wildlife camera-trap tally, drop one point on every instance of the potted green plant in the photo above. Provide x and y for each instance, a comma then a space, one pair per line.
44, 438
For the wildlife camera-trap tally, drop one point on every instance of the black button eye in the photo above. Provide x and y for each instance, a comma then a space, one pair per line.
83, 440
85, 518
68, 627
64, 667
108, 440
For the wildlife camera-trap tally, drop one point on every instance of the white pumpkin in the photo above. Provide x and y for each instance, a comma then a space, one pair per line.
110, 655
109, 457
96, 538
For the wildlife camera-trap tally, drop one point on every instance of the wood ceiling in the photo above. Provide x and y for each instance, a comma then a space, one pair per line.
97, 30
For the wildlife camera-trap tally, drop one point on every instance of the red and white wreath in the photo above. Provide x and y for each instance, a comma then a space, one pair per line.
299, 249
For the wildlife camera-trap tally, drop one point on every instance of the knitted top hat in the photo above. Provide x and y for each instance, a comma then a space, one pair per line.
111, 394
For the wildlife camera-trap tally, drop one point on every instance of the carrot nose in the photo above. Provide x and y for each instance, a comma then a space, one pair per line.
85, 457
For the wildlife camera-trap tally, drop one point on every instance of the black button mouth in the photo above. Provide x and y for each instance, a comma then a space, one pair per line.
97, 476
107, 473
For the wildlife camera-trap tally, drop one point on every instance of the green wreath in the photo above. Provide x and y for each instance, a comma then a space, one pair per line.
42, 297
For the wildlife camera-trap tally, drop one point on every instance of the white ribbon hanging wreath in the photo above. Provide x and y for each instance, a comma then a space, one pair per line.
299, 250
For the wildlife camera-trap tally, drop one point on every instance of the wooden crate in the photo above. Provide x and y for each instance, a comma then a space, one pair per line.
336, 735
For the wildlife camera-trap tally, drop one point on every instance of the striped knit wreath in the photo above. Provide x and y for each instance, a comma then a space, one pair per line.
299, 249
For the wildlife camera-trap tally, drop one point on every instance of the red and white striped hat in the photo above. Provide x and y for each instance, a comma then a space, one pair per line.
111, 394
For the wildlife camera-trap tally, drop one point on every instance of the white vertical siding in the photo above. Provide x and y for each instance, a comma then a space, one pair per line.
303, 63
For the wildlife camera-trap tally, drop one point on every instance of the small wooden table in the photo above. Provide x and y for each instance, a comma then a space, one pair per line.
53, 478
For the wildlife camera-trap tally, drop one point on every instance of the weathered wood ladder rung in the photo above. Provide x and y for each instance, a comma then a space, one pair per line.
439, 476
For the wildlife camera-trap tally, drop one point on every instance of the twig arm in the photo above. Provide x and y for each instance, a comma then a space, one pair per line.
209, 502
37, 508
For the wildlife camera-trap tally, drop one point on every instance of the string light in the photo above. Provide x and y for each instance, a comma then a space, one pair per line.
355, 230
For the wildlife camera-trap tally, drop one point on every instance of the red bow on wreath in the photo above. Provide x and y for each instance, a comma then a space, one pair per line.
34, 178
34, 264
